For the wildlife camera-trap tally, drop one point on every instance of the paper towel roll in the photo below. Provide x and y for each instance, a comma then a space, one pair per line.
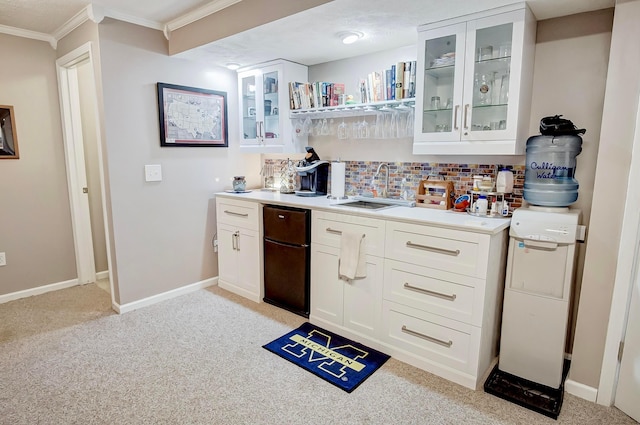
337, 179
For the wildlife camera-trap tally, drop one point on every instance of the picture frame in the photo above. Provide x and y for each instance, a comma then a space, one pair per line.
8, 133
190, 116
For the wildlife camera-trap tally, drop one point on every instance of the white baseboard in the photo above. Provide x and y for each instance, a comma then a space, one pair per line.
102, 275
125, 308
581, 390
37, 291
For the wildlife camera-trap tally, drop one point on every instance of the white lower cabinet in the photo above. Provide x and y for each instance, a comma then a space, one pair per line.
354, 304
352, 307
239, 265
432, 296
443, 299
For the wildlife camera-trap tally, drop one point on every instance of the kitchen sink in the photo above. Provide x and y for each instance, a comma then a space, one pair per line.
365, 204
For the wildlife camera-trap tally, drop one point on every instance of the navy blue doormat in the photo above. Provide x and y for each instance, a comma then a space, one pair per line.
338, 360
537, 397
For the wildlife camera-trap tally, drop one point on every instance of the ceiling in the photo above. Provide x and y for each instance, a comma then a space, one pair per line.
309, 37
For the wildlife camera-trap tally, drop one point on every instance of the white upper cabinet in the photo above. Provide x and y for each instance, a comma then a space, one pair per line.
263, 89
474, 83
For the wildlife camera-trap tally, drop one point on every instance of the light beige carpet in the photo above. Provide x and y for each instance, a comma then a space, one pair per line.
66, 358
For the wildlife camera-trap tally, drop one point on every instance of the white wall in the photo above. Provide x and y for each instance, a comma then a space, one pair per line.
162, 231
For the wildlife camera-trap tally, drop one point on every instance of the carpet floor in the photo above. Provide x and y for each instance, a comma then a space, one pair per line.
67, 358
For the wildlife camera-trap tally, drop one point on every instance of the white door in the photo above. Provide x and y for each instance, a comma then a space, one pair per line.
628, 390
68, 67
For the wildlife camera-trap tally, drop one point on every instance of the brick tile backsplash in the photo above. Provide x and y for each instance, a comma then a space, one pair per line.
359, 177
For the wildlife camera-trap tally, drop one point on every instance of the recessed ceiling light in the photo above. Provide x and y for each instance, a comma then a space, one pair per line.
233, 66
350, 36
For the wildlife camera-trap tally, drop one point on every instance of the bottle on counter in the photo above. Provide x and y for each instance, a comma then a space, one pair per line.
481, 205
504, 181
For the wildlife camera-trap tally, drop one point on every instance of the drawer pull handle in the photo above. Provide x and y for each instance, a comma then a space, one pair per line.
428, 292
447, 344
235, 213
433, 249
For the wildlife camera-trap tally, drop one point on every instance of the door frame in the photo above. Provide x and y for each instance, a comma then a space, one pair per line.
75, 164
626, 274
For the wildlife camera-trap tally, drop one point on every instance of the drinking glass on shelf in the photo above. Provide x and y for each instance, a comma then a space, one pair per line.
306, 126
504, 89
316, 129
363, 128
410, 119
324, 128
343, 130
298, 127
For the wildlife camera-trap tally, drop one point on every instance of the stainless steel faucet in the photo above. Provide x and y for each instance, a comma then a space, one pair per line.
386, 180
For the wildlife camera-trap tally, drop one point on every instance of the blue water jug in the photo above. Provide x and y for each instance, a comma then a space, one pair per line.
549, 178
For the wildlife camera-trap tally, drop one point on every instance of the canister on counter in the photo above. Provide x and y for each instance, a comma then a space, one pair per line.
476, 182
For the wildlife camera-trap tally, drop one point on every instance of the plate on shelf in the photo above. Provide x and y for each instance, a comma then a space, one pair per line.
237, 191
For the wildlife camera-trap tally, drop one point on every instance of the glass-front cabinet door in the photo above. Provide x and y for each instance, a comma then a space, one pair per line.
489, 47
264, 107
474, 83
248, 108
441, 68
270, 104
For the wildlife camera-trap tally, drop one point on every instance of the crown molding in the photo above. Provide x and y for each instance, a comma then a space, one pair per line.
199, 13
19, 32
90, 13
110, 13
95, 13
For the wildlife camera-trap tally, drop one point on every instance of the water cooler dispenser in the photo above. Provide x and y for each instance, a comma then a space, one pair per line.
539, 276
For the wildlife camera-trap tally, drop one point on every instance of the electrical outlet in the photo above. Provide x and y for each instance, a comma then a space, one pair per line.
3, 259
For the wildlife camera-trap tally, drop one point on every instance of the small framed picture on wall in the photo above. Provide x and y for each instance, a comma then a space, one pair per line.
8, 136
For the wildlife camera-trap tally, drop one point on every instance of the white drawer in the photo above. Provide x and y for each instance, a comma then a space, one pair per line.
238, 213
443, 341
327, 227
454, 251
435, 291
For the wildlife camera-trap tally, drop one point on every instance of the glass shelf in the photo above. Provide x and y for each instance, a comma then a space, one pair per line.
354, 109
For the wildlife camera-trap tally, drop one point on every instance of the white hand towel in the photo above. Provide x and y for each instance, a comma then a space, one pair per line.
352, 257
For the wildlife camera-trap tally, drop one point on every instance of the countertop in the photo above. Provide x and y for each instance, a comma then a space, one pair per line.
419, 215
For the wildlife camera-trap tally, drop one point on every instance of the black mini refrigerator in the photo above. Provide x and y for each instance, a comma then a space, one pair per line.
287, 257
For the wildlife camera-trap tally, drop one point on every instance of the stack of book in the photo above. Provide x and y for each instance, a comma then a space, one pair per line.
315, 95
395, 83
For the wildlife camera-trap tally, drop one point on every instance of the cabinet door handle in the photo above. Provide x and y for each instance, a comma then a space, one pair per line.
335, 232
428, 292
466, 115
258, 131
233, 242
447, 344
455, 118
433, 249
281, 217
235, 213
238, 240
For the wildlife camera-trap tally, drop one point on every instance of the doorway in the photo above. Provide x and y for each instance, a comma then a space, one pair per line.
620, 374
83, 157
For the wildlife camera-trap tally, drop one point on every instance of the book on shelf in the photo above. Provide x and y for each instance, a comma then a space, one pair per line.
337, 91
406, 80
393, 82
399, 80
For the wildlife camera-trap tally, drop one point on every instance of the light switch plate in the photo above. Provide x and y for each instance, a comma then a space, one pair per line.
153, 173
3, 259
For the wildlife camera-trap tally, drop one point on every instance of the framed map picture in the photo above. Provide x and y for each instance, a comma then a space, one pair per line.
191, 116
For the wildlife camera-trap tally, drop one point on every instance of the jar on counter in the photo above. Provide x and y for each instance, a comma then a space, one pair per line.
476, 182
